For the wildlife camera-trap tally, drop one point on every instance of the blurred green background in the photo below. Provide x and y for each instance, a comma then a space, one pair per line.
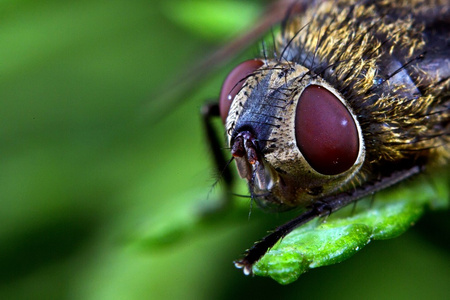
100, 201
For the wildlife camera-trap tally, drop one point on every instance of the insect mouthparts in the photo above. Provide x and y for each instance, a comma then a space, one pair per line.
250, 163
244, 143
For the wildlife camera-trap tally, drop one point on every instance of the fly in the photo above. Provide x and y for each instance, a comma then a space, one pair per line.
354, 100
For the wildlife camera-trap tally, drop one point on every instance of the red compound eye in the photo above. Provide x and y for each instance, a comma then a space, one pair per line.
233, 84
325, 131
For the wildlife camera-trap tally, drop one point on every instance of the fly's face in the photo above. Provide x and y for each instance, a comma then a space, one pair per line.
293, 136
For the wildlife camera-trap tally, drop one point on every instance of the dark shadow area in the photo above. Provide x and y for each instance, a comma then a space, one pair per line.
54, 241
434, 227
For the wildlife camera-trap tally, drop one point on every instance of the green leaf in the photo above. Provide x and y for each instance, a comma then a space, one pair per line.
343, 234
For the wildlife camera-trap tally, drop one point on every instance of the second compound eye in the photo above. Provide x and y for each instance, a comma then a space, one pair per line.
233, 84
326, 132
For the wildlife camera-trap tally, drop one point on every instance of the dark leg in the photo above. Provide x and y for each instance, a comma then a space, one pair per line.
209, 112
319, 209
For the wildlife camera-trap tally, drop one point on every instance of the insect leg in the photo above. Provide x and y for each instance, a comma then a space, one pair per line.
209, 112
321, 208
